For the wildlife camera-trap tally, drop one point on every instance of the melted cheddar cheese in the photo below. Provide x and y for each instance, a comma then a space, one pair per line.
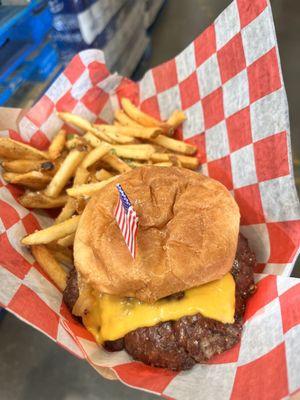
111, 317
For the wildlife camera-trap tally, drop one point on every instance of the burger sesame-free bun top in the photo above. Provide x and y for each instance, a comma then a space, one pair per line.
187, 234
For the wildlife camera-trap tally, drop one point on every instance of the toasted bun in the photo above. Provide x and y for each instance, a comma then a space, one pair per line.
187, 234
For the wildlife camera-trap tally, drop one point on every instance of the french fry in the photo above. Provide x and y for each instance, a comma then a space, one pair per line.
33, 179
50, 266
40, 200
65, 172
75, 141
102, 175
111, 159
23, 166
52, 233
70, 207
92, 179
164, 164
81, 175
137, 164
160, 157
113, 133
92, 139
57, 145
174, 145
125, 120
173, 122
135, 151
83, 124
103, 136
67, 211
94, 155
63, 257
54, 246
186, 161
14, 150
176, 118
89, 188
116, 163
132, 131
175, 161
67, 240
81, 203
142, 118
76, 120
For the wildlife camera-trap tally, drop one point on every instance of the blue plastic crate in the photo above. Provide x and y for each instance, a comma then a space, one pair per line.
23, 47
9, 17
31, 22
36, 67
22, 30
43, 61
13, 54
36, 25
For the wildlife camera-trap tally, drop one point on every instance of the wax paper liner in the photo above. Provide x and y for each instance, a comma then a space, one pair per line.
229, 83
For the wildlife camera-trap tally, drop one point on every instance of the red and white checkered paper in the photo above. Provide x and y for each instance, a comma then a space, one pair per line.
229, 83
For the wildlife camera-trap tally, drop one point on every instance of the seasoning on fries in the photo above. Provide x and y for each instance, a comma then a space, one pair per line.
186, 161
33, 179
113, 133
21, 166
66, 170
14, 150
57, 145
134, 151
40, 200
116, 163
142, 118
175, 145
132, 131
123, 119
95, 155
89, 188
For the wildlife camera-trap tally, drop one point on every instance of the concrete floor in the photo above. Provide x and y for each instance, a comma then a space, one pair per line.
34, 368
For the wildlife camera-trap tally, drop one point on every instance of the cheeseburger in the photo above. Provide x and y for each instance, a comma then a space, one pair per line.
181, 300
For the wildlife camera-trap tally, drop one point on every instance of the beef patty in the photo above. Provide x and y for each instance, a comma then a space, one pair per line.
178, 345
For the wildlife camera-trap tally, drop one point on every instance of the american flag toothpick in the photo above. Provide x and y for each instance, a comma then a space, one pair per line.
127, 220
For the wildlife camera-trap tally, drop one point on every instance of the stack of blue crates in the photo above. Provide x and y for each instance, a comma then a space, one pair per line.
25, 53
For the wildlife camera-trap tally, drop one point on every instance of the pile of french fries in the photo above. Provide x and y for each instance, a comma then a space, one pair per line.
76, 166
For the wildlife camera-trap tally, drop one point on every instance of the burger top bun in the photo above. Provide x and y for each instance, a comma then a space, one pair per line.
187, 234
